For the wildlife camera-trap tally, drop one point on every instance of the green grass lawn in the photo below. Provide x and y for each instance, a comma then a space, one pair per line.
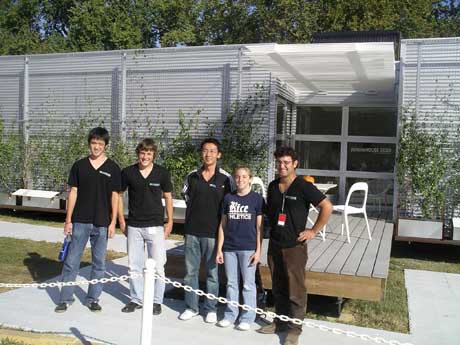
26, 261
8, 341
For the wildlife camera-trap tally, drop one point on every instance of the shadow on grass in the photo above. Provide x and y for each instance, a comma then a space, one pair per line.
42, 268
33, 216
426, 252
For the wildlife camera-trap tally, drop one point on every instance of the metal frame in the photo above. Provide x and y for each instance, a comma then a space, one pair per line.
344, 139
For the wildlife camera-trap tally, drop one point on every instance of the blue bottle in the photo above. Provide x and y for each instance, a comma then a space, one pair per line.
65, 248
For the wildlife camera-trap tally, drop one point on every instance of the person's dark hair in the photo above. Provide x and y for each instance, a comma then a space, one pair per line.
286, 151
210, 141
99, 133
147, 144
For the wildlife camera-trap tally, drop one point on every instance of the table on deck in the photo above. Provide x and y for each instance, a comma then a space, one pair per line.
325, 187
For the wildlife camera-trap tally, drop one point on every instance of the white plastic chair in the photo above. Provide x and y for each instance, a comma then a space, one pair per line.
257, 181
322, 232
347, 209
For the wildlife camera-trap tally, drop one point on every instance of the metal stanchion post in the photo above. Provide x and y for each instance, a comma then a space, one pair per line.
147, 306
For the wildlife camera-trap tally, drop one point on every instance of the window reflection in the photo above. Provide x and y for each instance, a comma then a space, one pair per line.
371, 157
319, 120
318, 155
372, 122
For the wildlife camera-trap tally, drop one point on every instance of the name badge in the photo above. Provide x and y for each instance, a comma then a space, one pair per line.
291, 197
154, 184
212, 185
105, 173
281, 219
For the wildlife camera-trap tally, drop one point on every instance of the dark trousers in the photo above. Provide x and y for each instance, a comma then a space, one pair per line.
287, 266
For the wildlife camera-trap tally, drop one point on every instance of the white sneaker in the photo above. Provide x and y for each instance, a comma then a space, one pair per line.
211, 317
188, 314
224, 323
243, 326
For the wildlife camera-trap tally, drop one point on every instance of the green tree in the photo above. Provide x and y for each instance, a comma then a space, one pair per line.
232, 22
104, 25
447, 17
173, 22
413, 18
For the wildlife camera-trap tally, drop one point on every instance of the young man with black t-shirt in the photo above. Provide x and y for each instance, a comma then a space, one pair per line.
147, 183
288, 202
203, 191
91, 214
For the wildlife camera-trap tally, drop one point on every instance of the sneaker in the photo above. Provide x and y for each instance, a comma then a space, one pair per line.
188, 314
243, 326
94, 307
130, 307
61, 307
156, 309
224, 323
211, 317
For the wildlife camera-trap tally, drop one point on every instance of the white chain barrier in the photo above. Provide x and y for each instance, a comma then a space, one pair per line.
258, 311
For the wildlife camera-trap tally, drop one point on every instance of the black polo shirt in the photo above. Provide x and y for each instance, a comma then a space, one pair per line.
297, 200
204, 201
95, 187
145, 206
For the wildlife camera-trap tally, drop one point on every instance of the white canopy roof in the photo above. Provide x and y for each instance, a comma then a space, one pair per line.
324, 68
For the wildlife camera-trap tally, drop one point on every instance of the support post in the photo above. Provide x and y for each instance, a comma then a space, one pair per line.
26, 180
123, 98
147, 305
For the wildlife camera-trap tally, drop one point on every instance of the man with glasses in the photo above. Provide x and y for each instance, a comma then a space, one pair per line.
203, 191
288, 202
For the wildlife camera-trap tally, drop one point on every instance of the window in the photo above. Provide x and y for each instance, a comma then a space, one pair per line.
279, 118
380, 192
318, 155
380, 122
371, 157
319, 120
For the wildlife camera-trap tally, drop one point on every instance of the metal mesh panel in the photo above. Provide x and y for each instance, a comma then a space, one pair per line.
431, 89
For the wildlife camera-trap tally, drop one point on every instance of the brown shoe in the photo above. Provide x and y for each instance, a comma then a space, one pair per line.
292, 337
272, 328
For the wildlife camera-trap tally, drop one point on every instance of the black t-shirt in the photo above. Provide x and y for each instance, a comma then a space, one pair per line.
145, 206
297, 200
204, 201
95, 187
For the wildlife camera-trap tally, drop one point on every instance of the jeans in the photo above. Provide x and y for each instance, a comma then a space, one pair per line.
237, 262
195, 249
287, 266
153, 239
81, 232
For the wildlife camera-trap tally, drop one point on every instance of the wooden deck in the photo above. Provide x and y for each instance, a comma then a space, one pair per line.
357, 270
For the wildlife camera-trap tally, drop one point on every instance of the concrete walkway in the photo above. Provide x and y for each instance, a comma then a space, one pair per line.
434, 306
33, 309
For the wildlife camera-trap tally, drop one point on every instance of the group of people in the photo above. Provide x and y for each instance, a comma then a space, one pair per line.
223, 225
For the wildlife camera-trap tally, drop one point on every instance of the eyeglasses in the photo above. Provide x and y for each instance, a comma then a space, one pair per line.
285, 163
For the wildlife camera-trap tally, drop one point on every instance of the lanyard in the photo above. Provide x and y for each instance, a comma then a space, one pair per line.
284, 199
